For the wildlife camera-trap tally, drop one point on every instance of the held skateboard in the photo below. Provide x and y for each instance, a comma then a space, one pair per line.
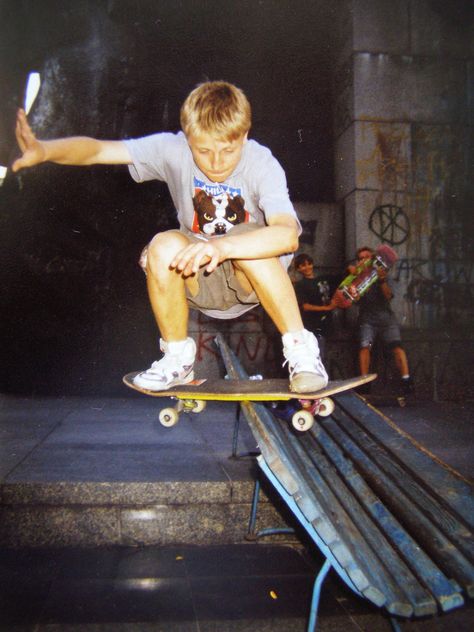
364, 276
192, 397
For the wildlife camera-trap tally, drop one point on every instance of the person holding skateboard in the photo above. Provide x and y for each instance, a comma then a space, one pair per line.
376, 318
315, 298
237, 231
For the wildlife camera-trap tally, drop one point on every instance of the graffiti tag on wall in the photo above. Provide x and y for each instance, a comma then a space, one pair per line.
390, 224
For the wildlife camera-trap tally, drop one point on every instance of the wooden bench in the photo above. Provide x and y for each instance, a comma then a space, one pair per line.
394, 523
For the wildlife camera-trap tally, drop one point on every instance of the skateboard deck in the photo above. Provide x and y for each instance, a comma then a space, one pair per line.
364, 276
192, 397
265, 390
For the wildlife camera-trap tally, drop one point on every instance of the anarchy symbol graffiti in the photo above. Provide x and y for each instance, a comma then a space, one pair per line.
390, 223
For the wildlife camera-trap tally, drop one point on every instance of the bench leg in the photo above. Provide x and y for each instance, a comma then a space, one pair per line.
251, 534
235, 439
395, 625
253, 511
318, 582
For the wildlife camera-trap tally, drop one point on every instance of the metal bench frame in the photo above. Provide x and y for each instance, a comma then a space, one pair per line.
392, 521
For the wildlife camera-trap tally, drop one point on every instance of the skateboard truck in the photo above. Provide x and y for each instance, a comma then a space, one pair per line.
169, 417
301, 412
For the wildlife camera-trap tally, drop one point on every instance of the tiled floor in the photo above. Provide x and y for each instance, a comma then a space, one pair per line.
245, 588
240, 587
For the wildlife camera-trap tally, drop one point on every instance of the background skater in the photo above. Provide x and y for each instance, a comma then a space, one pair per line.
315, 298
376, 319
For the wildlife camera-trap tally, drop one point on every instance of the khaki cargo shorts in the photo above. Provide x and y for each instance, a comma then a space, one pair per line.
220, 289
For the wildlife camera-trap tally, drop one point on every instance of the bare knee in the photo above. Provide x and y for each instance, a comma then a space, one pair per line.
162, 249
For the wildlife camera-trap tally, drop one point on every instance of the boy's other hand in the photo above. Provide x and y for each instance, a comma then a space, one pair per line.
197, 255
32, 150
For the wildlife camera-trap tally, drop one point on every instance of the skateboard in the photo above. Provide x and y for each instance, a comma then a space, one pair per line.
364, 276
192, 397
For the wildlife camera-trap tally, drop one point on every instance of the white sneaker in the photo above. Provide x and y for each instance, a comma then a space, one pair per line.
174, 368
307, 372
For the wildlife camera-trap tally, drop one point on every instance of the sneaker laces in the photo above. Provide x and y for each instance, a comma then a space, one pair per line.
171, 365
303, 355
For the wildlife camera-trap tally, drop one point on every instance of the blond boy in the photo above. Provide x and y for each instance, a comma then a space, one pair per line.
237, 231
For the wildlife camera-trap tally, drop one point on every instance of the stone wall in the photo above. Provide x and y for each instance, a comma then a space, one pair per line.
403, 123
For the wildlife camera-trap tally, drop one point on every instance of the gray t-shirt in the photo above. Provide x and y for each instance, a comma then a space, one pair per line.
256, 189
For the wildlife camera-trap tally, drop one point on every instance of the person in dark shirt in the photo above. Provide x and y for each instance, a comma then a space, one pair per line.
314, 294
376, 319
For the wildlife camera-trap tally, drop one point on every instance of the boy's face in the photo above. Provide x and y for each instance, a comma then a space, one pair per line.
306, 269
363, 256
216, 158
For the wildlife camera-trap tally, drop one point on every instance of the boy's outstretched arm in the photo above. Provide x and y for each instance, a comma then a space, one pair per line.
79, 150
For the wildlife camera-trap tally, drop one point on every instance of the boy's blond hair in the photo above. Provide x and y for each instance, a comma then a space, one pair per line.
218, 108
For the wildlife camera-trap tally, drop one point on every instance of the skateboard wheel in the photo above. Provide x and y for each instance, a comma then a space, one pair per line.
302, 420
326, 407
199, 406
168, 417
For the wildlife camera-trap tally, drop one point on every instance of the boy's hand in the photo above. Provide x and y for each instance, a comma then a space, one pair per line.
197, 255
31, 148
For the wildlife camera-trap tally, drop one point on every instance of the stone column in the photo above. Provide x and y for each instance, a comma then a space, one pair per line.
402, 124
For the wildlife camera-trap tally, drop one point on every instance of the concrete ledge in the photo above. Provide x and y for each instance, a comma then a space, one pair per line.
96, 494
85, 472
104, 514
